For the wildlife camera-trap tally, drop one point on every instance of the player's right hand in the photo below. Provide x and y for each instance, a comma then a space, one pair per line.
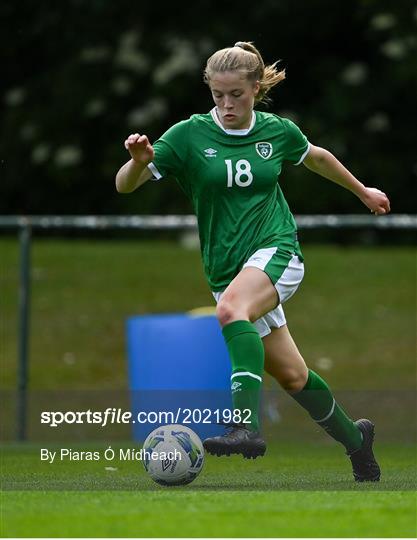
139, 148
376, 200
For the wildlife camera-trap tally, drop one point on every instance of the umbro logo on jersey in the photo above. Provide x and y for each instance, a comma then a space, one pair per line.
264, 149
235, 386
210, 152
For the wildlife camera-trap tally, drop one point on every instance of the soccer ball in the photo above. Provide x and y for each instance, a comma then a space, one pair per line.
173, 455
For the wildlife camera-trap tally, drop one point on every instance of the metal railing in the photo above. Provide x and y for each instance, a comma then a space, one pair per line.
181, 222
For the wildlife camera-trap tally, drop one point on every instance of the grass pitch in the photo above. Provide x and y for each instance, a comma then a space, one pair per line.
206, 514
294, 491
354, 318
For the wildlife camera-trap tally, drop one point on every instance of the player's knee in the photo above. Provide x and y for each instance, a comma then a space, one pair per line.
227, 311
293, 380
224, 312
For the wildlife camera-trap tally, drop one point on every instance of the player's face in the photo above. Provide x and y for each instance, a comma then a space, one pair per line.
234, 96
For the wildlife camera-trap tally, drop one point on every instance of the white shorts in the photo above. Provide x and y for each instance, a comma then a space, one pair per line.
286, 286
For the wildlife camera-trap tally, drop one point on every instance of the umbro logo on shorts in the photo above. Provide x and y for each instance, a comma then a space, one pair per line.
210, 152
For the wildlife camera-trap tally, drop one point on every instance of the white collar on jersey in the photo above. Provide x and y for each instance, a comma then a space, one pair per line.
216, 119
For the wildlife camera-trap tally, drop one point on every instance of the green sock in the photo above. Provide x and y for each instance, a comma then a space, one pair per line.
246, 352
318, 400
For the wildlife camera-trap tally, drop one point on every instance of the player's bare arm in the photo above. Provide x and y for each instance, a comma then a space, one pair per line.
135, 172
325, 164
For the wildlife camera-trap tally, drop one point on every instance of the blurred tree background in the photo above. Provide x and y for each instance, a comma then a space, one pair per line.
79, 75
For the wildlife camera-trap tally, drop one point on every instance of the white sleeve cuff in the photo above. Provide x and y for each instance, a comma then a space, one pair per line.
307, 150
156, 174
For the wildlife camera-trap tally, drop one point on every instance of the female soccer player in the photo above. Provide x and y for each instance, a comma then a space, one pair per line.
227, 162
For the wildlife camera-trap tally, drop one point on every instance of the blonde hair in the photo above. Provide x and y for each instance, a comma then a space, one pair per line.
245, 57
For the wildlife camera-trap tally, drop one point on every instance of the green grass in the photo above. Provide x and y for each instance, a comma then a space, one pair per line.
354, 321
294, 491
201, 514
355, 308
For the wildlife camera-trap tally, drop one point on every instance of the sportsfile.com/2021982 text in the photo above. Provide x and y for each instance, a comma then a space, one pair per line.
118, 416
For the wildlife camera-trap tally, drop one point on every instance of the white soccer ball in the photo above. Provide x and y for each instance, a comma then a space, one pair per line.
173, 455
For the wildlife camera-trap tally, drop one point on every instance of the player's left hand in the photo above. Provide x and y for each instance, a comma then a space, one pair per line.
376, 200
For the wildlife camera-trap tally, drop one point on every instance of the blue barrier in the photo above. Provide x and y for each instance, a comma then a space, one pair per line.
178, 364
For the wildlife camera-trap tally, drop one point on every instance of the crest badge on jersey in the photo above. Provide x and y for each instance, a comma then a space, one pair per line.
264, 149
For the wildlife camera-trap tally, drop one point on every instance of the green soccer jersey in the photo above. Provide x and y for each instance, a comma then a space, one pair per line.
231, 178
